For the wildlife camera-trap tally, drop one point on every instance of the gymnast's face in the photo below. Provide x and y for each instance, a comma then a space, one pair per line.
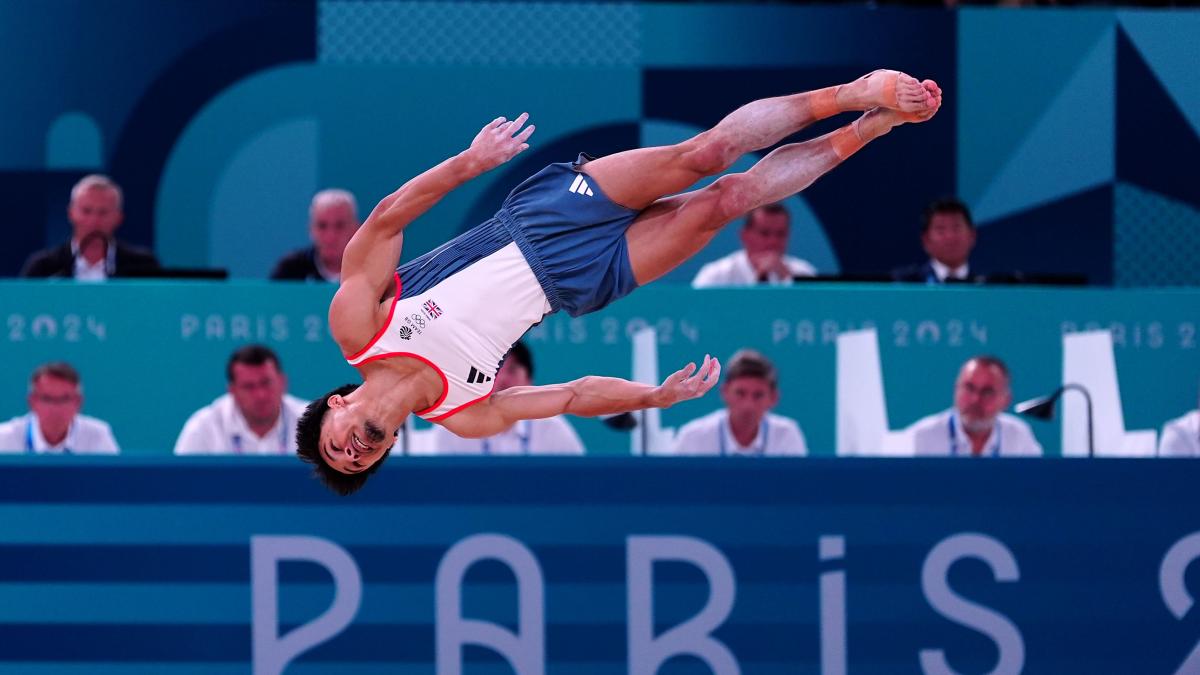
350, 441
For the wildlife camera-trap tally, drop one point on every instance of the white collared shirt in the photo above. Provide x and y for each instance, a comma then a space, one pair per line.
735, 270
1010, 437
943, 272
333, 277
97, 272
86, 435
777, 436
552, 436
1181, 436
220, 429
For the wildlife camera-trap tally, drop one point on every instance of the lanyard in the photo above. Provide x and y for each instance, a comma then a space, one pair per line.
762, 438
236, 439
29, 438
995, 451
524, 437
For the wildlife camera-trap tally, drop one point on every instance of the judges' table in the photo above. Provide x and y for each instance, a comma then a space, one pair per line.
151, 353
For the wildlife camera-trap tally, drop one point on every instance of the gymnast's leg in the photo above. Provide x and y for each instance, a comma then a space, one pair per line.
674, 228
637, 178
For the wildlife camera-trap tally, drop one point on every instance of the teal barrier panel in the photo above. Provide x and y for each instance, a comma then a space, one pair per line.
600, 567
151, 353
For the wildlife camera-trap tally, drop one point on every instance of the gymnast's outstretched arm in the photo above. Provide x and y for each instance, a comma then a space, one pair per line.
586, 397
369, 262
496, 143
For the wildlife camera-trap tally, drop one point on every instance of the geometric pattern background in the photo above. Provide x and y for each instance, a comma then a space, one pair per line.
462, 33
1156, 239
1071, 134
1169, 45
121, 92
1037, 125
1090, 129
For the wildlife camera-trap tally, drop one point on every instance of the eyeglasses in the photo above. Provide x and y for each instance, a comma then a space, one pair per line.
65, 399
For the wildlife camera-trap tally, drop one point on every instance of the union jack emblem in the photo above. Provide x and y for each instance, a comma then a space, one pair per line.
432, 310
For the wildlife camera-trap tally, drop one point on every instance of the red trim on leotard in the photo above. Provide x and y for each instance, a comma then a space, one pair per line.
422, 359
460, 408
383, 329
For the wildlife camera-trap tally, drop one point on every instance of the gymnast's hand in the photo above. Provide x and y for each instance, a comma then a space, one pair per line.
499, 141
686, 384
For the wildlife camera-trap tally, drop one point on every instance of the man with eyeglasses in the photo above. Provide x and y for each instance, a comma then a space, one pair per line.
53, 424
975, 426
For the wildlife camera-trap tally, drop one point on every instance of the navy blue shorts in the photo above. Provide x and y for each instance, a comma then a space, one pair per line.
572, 235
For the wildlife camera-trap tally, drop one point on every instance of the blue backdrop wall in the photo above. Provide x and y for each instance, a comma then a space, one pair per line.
1073, 134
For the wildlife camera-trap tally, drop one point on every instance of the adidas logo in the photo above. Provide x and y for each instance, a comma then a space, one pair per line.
580, 186
477, 377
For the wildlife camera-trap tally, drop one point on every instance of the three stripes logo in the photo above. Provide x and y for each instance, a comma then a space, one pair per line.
476, 377
580, 186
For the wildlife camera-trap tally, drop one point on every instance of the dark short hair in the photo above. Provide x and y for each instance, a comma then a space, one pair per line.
993, 361
750, 363
308, 446
945, 205
521, 354
774, 208
57, 369
251, 355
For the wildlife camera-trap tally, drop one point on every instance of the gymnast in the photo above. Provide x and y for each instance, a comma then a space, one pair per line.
429, 336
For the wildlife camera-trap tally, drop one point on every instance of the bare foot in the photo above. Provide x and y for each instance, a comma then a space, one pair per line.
935, 92
878, 121
889, 89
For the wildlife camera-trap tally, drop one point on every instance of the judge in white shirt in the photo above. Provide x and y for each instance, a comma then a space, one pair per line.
1181, 436
550, 436
948, 237
745, 427
763, 257
254, 417
53, 424
975, 426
